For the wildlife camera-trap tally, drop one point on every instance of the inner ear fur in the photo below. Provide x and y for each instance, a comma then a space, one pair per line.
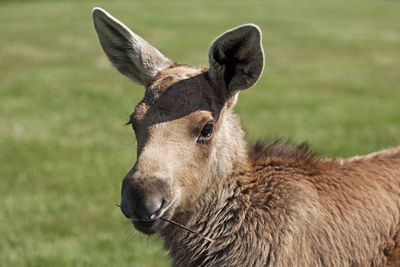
127, 51
236, 58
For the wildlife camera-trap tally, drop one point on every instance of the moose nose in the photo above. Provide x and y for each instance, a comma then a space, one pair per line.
151, 208
144, 199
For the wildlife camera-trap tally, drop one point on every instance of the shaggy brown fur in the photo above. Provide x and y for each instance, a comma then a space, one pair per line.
291, 208
271, 204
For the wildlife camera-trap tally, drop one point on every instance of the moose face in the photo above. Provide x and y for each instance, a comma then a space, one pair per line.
183, 124
175, 125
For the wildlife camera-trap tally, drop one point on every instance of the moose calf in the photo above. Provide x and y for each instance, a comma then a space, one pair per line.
264, 205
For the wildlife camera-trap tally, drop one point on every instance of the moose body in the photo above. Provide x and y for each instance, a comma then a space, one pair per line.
271, 204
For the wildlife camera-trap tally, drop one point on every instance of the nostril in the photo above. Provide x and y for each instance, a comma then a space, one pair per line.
125, 210
157, 212
153, 206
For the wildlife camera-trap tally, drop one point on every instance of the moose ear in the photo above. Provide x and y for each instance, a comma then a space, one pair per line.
127, 51
237, 58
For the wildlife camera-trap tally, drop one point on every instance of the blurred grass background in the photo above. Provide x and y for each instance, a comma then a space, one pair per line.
332, 78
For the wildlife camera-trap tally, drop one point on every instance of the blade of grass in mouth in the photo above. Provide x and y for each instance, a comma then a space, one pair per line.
184, 227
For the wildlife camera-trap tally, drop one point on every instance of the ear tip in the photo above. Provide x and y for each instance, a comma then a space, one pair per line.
98, 12
252, 27
256, 31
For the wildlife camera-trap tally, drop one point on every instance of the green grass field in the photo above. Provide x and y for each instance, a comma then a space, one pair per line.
332, 79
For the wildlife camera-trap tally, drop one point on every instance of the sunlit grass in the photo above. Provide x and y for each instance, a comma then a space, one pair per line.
332, 79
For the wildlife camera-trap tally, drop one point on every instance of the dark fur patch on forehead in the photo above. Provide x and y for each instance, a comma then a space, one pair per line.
170, 76
177, 92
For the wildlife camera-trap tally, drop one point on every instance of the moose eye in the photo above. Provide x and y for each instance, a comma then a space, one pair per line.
207, 130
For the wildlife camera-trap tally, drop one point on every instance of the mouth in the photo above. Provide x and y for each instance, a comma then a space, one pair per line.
150, 227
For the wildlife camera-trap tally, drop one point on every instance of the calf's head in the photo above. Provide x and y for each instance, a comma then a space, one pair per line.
182, 125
